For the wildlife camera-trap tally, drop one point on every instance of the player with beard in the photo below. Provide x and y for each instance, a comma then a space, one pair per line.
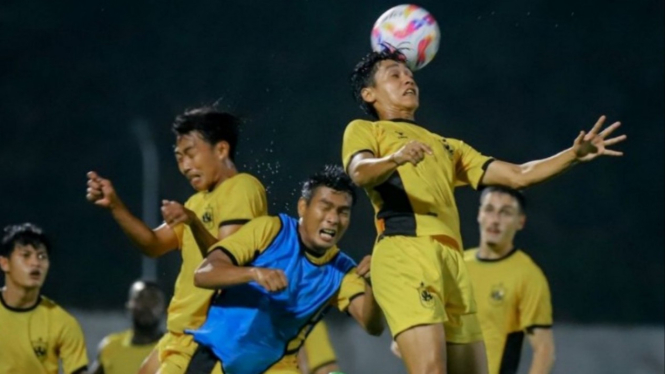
123, 352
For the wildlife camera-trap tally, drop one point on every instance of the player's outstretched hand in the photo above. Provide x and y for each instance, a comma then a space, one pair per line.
590, 145
364, 267
413, 152
272, 280
101, 192
175, 213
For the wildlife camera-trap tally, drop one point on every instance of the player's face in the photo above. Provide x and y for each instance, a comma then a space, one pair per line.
199, 161
26, 266
499, 218
145, 304
394, 88
325, 219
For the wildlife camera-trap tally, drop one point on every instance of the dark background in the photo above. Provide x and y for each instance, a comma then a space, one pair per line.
516, 79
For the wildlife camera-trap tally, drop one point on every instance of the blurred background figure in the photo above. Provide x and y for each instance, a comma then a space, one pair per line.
37, 334
512, 293
123, 352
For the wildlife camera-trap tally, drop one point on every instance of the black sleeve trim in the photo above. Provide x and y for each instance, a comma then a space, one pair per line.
351, 300
356, 154
313, 370
81, 370
484, 167
530, 329
227, 252
234, 222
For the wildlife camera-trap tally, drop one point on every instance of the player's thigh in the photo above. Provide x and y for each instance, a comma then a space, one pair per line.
151, 363
423, 349
467, 358
406, 282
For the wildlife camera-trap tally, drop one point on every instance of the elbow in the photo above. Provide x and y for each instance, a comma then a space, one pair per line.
199, 279
359, 179
375, 328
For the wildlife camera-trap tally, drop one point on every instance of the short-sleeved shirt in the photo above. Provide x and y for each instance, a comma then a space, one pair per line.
315, 282
235, 201
416, 200
118, 355
513, 297
35, 339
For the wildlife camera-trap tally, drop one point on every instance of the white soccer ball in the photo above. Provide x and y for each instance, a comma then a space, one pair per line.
410, 29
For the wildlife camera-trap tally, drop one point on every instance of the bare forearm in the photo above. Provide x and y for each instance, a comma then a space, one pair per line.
218, 274
372, 313
535, 172
204, 239
373, 171
543, 361
136, 230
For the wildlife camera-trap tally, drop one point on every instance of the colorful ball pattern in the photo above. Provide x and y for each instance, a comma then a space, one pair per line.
410, 29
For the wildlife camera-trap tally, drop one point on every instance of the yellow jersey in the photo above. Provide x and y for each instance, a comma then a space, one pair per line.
318, 350
252, 240
118, 355
416, 200
235, 201
513, 297
34, 339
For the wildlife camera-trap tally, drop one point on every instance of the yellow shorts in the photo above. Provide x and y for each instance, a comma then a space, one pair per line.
420, 281
175, 353
318, 349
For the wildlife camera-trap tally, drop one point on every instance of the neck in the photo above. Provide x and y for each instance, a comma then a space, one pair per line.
146, 334
489, 251
308, 247
19, 297
393, 113
228, 170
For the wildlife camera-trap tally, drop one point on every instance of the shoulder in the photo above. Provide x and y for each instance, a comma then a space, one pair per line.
360, 125
527, 264
470, 254
60, 315
245, 179
113, 339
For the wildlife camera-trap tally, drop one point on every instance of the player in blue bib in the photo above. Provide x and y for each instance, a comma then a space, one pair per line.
279, 275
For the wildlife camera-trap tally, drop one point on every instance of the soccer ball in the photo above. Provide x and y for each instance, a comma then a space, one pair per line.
410, 29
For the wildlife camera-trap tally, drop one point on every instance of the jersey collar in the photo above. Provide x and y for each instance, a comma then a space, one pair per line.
507, 255
20, 310
316, 258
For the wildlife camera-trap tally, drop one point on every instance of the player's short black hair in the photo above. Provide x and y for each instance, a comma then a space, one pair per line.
23, 234
213, 125
516, 194
332, 176
363, 75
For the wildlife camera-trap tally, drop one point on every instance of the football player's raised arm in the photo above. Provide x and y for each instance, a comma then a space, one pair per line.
586, 147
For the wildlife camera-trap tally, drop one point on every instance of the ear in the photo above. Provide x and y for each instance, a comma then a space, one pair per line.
4, 264
223, 149
368, 94
522, 222
302, 207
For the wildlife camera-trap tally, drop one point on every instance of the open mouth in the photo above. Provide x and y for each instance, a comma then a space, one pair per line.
410, 91
327, 234
36, 274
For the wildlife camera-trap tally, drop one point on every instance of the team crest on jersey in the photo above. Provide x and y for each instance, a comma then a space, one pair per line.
497, 294
449, 149
207, 218
400, 135
426, 297
40, 347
